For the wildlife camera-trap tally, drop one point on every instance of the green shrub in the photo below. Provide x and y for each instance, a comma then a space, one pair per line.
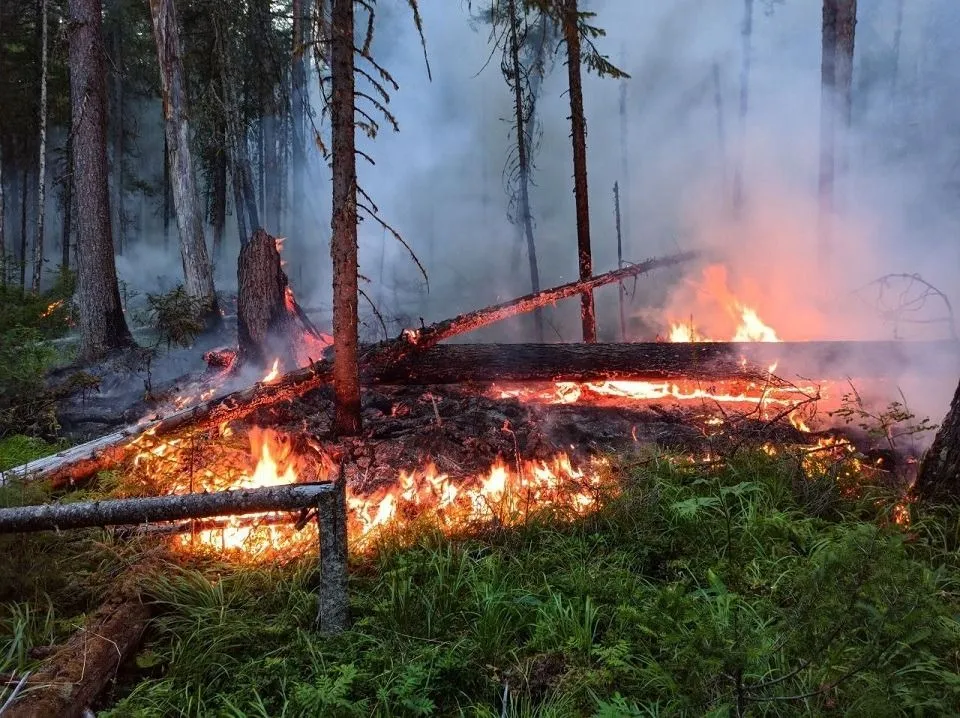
175, 316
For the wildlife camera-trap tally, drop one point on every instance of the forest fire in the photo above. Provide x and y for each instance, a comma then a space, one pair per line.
505, 494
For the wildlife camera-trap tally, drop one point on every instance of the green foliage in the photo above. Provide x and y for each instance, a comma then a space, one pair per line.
19, 449
696, 591
176, 316
25, 405
896, 422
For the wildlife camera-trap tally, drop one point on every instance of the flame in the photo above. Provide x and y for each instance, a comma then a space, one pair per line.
274, 372
505, 493
51, 308
712, 290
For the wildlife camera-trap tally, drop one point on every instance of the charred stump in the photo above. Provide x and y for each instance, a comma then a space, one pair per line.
939, 476
266, 327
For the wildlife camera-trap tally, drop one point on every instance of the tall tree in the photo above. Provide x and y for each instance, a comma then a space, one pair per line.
746, 34
299, 111
197, 268
836, 101
343, 243
42, 151
578, 35
102, 325
578, 133
115, 126
3, 235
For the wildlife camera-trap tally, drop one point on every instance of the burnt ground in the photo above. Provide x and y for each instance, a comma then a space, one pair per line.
464, 429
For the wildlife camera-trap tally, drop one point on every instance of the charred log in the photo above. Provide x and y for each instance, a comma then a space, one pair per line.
77, 673
939, 476
150, 509
264, 326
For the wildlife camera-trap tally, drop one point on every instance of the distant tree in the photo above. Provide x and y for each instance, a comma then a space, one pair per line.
102, 325
836, 98
578, 36
197, 268
746, 34
526, 37
41, 153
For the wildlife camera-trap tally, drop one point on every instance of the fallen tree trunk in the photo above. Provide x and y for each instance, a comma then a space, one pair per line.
151, 509
80, 462
664, 361
70, 680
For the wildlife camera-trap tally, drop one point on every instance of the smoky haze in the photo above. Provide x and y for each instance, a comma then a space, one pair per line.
439, 181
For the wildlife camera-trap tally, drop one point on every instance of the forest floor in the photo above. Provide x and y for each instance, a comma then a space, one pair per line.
761, 585
749, 587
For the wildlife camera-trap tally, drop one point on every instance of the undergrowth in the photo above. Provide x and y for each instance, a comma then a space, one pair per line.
697, 591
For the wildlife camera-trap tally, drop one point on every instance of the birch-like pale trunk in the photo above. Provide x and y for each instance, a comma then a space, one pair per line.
197, 268
42, 161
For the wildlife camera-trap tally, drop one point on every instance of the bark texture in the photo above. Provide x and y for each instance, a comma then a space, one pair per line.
102, 325
86, 514
333, 614
828, 64
66, 237
197, 269
265, 326
42, 153
939, 475
578, 132
69, 682
343, 243
843, 74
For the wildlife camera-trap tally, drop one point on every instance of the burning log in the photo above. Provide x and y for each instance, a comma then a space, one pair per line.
81, 462
270, 322
75, 675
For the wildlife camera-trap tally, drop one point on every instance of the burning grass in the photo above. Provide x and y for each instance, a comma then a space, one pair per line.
692, 588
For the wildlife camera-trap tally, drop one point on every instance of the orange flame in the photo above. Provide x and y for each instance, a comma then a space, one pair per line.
51, 308
274, 372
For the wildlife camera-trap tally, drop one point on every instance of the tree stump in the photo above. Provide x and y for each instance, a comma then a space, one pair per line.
267, 326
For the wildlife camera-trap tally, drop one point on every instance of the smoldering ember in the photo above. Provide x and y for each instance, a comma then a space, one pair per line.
321, 393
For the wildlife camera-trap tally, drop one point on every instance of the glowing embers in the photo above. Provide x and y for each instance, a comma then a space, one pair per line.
504, 494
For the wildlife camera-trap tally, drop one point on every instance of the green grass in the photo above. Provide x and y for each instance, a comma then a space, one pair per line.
695, 592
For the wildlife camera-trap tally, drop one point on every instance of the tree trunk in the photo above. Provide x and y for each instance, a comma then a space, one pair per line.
827, 139
3, 233
197, 269
24, 204
116, 122
265, 327
939, 476
523, 160
42, 153
747, 35
219, 209
102, 325
298, 110
843, 70
166, 194
67, 206
343, 243
571, 32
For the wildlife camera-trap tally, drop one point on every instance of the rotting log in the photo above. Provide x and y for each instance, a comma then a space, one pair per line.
152, 509
81, 462
71, 679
